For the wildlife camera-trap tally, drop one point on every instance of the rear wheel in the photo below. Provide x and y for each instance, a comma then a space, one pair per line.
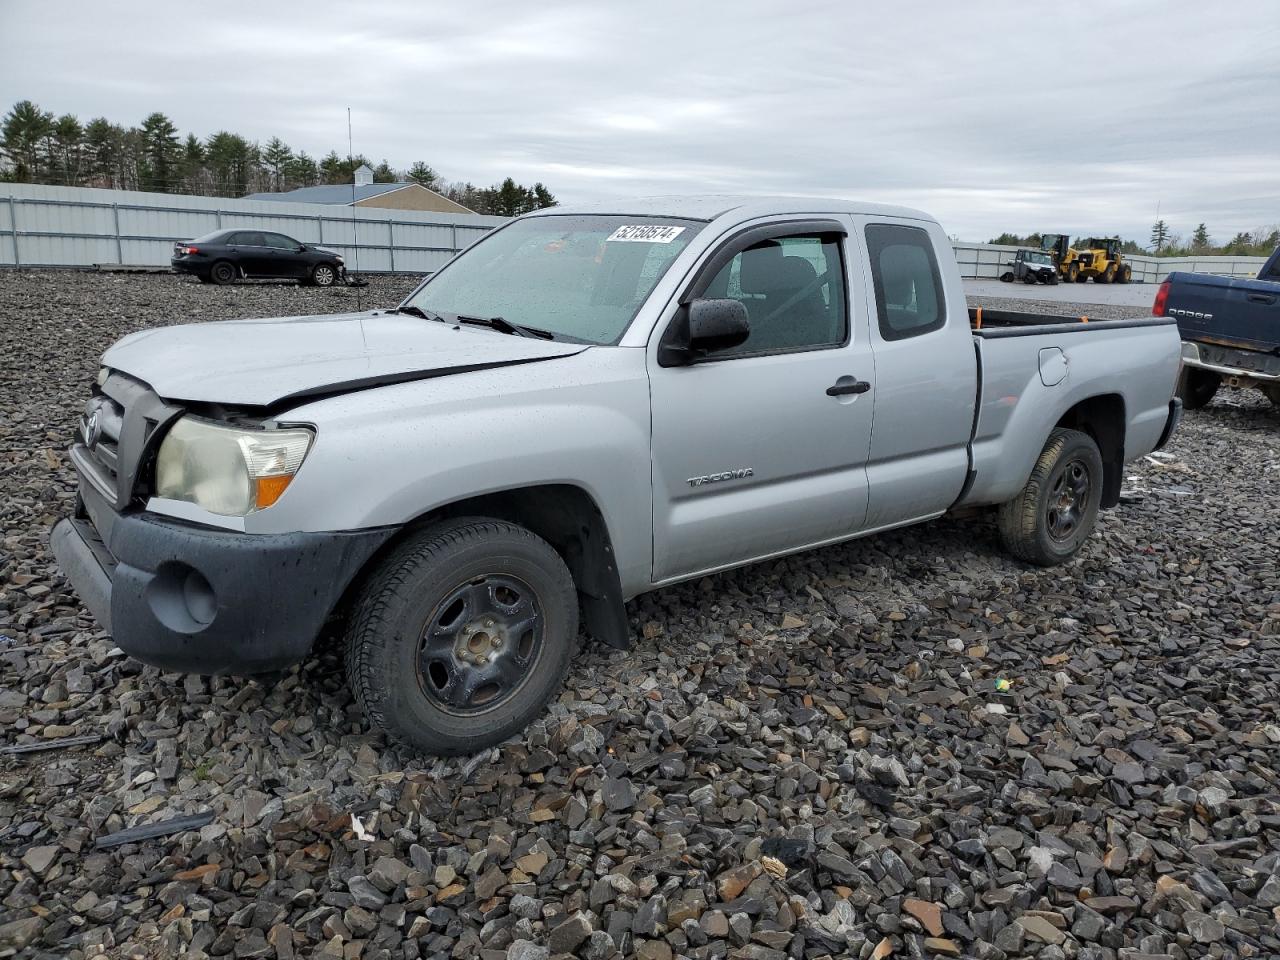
1196, 387
324, 275
222, 273
1272, 392
1073, 273
462, 636
1048, 522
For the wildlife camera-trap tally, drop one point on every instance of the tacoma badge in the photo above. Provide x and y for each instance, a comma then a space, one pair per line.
717, 477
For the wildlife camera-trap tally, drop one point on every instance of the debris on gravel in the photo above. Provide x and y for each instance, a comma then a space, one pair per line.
806, 758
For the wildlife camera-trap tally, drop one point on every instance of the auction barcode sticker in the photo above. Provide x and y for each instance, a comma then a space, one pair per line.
641, 233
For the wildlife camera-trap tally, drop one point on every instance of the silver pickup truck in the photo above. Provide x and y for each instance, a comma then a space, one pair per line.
585, 405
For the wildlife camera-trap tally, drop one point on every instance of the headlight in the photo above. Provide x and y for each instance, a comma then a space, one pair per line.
228, 470
103, 373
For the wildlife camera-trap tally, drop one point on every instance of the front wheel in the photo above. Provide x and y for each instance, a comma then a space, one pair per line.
462, 636
1048, 522
1196, 387
324, 275
1073, 273
1029, 278
1125, 274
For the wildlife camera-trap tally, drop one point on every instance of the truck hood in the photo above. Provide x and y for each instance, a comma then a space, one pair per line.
261, 363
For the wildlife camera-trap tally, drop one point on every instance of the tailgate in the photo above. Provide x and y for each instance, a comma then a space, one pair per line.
1243, 313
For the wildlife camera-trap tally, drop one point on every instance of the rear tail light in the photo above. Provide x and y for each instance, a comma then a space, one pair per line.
190, 249
1162, 297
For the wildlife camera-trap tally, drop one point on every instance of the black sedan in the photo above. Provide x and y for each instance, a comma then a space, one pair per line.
228, 255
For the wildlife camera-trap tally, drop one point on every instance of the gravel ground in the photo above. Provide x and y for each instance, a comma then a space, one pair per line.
806, 758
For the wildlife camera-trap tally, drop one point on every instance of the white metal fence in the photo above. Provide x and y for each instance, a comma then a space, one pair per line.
43, 226
82, 227
986, 260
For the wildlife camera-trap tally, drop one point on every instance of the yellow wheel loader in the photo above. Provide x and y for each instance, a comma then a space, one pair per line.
1099, 258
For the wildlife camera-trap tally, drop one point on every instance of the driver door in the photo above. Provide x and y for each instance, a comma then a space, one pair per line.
752, 456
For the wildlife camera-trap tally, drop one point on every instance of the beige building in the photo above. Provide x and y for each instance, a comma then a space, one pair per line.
365, 193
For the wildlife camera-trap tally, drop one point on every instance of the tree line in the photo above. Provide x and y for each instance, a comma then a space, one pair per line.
1166, 243
38, 147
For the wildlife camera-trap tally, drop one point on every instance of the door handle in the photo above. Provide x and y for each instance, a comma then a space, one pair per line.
1262, 298
847, 385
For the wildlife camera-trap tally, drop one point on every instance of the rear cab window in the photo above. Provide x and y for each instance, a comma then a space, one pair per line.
908, 284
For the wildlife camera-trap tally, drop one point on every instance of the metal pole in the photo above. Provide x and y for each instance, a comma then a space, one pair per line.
454, 227
320, 227
391, 241
13, 227
115, 215
218, 214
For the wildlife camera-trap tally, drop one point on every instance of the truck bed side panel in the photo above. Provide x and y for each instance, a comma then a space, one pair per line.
1018, 410
1230, 311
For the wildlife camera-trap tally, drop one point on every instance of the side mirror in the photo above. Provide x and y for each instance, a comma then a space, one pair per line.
704, 326
302, 248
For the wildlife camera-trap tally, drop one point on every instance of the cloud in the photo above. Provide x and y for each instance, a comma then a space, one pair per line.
993, 117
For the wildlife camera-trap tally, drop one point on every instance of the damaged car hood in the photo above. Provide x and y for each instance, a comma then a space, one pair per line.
261, 363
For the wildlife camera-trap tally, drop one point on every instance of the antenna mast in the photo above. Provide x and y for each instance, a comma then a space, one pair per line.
355, 236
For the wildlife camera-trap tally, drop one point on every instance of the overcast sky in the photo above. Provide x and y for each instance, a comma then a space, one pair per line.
991, 116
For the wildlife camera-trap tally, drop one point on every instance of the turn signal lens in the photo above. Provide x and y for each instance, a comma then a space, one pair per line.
269, 489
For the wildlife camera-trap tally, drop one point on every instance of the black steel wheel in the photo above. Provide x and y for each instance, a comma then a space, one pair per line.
324, 275
461, 635
482, 642
1048, 522
222, 273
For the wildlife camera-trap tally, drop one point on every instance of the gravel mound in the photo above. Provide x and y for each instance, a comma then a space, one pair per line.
908, 746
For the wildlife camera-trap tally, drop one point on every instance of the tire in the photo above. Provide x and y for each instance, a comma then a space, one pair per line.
1271, 391
1051, 279
1048, 522
451, 580
222, 273
1006, 277
1124, 274
1029, 278
1107, 275
1197, 387
1073, 273
324, 275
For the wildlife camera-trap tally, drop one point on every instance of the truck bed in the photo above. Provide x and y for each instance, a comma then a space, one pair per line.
1034, 366
1227, 311
991, 324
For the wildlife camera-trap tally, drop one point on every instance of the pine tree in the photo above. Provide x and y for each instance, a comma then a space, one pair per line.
275, 158
161, 154
1200, 239
22, 135
422, 173
1159, 235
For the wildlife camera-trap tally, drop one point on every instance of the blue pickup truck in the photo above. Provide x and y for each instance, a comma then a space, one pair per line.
1230, 331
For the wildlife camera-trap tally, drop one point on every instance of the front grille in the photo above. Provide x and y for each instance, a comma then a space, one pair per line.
118, 431
100, 428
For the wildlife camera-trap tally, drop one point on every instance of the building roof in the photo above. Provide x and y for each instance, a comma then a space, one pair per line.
338, 193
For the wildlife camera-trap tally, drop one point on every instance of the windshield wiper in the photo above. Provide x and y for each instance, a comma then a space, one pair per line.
506, 326
418, 312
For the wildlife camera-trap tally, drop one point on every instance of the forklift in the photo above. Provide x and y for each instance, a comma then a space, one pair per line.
1099, 258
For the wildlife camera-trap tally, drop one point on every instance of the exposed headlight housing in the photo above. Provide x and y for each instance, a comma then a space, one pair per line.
228, 470
103, 373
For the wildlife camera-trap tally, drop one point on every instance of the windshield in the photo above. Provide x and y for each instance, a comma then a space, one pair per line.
578, 277
1038, 257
